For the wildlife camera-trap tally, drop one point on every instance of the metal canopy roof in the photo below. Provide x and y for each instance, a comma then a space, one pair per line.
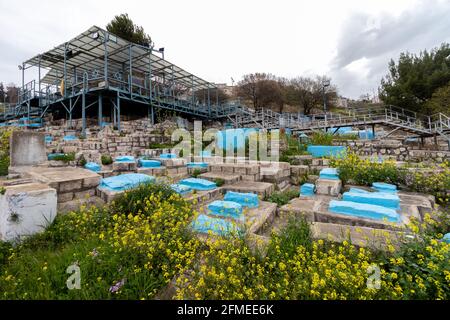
86, 52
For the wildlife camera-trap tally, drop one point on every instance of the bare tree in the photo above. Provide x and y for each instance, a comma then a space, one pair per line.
262, 90
307, 93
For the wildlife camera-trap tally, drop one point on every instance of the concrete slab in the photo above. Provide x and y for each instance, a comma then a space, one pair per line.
156, 172
67, 179
328, 187
26, 209
27, 148
259, 219
228, 178
359, 236
263, 189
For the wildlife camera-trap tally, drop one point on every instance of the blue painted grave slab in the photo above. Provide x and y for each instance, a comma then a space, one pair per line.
181, 189
218, 226
198, 184
329, 173
125, 181
327, 151
248, 200
225, 209
93, 166
307, 190
197, 165
387, 200
363, 210
168, 156
70, 138
125, 159
384, 187
446, 238
149, 163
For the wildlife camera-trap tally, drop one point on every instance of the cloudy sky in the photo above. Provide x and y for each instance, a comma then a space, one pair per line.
351, 41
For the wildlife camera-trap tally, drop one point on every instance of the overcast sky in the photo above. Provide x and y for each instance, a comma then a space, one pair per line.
351, 41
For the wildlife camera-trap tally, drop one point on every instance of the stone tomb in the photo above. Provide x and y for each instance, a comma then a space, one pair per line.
262, 189
316, 209
27, 148
26, 209
69, 183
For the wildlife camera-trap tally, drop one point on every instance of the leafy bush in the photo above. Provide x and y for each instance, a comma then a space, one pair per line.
68, 157
82, 161
219, 182
121, 255
282, 198
434, 180
106, 160
365, 172
160, 145
196, 173
320, 138
4, 151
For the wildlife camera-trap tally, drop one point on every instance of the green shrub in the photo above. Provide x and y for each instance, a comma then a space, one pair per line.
219, 182
364, 171
4, 151
282, 198
160, 145
68, 157
82, 161
320, 138
106, 160
132, 201
196, 173
296, 233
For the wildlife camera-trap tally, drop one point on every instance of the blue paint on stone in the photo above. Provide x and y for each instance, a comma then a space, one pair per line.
363, 210
149, 163
327, 151
225, 209
307, 190
125, 181
198, 184
329, 173
249, 200
181, 189
93, 166
218, 226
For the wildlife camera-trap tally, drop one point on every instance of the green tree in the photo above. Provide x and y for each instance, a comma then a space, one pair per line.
123, 27
440, 100
412, 81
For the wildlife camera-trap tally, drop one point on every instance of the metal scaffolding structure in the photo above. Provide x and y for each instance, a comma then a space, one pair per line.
97, 66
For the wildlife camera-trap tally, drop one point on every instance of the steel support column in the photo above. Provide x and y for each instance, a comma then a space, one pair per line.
130, 75
100, 110
83, 113
39, 80
118, 111
65, 71
70, 113
152, 111
105, 70
209, 102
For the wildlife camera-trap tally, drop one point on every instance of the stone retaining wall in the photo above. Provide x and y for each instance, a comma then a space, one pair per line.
394, 149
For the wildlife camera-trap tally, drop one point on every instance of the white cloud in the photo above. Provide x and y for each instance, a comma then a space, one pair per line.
218, 40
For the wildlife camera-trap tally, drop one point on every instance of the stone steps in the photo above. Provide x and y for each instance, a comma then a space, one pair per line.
227, 178
262, 189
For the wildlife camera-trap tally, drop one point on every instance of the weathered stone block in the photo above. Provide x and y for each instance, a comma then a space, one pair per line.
26, 210
328, 187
